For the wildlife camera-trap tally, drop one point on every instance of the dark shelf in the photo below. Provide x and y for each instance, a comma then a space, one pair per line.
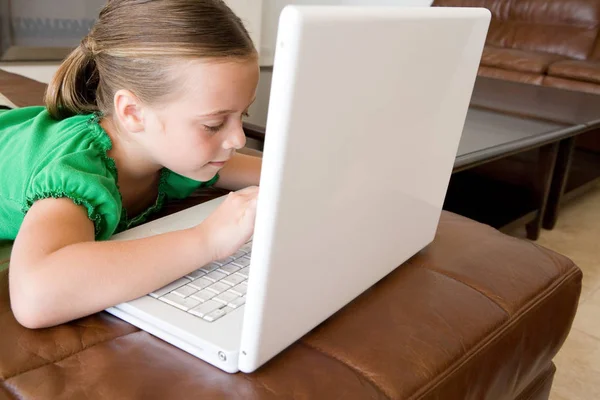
585, 169
491, 201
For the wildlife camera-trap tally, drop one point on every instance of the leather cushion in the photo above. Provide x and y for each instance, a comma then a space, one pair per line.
517, 60
582, 13
461, 319
587, 71
570, 84
515, 76
567, 28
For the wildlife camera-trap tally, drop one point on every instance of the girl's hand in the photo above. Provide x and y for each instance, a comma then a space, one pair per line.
231, 224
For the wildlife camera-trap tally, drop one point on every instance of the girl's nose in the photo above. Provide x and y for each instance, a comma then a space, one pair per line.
236, 139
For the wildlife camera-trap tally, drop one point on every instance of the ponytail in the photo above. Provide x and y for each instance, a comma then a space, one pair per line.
72, 90
135, 43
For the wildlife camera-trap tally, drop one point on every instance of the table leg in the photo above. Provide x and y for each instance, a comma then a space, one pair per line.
542, 181
559, 182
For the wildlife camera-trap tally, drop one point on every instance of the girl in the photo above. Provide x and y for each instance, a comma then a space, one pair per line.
147, 109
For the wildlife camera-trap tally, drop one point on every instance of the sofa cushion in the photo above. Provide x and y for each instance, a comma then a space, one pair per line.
587, 71
567, 28
508, 75
570, 84
460, 320
518, 60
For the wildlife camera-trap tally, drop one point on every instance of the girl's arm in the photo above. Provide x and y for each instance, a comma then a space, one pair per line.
241, 171
59, 273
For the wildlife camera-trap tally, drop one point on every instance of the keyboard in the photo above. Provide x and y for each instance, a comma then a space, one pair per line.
212, 291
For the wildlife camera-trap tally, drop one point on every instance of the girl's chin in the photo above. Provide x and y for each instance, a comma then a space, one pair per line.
202, 174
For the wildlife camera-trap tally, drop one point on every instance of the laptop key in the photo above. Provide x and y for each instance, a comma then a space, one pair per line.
215, 315
239, 254
216, 276
229, 269
206, 308
218, 287
203, 295
201, 283
224, 261
242, 262
170, 287
179, 302
233, 279
196, 274
226, 297
240, 289
246, 248
210, 267
184, 291
244, 272
240, 301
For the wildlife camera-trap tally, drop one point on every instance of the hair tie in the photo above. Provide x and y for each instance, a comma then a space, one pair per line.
88, 45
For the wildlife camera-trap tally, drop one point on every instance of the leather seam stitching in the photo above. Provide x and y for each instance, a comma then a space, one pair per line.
333, 357
506, 68
469, 286
65, 357
495, 335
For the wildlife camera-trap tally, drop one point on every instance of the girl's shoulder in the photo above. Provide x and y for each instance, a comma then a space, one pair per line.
39, 117
59, 158
23, 114
34, 129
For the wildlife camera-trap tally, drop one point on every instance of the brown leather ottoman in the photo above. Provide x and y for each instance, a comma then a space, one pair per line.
476, 315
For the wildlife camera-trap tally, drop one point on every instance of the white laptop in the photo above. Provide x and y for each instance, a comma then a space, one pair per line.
366, 112
272, 9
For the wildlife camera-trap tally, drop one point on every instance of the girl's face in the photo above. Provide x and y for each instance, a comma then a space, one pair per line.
199, 130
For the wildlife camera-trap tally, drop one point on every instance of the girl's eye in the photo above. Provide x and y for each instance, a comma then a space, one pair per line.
215, 128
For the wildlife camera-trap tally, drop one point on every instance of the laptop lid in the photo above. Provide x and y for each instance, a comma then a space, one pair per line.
272, 10
366, 111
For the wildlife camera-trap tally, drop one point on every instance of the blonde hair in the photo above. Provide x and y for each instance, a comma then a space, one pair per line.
133, 45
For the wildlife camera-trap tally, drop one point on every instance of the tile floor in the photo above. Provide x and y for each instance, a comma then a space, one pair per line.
577, 235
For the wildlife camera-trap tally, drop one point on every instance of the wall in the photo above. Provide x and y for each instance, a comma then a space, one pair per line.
249, 10
42, 72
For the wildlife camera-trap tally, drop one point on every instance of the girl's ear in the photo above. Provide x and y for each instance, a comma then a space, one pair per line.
129, 110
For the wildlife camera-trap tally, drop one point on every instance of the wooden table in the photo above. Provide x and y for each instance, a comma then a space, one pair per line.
578, 110
504, 119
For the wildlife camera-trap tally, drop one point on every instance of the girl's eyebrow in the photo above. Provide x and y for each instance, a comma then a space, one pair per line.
217, 113
223, 112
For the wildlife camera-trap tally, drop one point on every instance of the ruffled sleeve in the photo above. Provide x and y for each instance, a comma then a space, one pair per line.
85, 178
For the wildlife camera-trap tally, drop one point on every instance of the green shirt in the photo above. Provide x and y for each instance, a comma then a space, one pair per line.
41, 157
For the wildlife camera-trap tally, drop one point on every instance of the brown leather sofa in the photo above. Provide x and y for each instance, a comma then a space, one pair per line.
475, 315
544, 42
